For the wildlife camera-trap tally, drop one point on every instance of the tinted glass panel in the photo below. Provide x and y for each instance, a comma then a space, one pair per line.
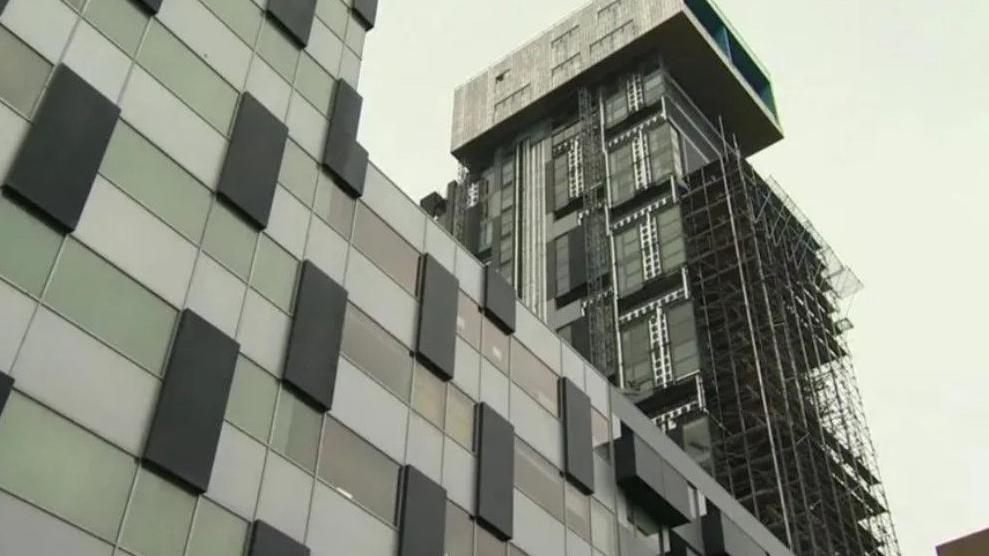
334, 206
298, 173
120, 20
489, 545
459, 531
429, 396
315, 84
252, 399
296, 430
460, 417
158, 518
469, 321
275, 273
230, 240
386, 248
494, 345
578, 512
358, 470
216, 532
533, 376
243, 17
603, 534
22, 74
278, 50
375, 351
538, 479
28, 247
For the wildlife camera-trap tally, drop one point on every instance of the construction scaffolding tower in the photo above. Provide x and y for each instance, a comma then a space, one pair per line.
788, 431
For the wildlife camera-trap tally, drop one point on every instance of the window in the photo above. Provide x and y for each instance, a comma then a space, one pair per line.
315, 84
158, 518
578, 512
358, 470
298, 173
334, 14
28, 247
23, 73
561, 180
533, 376
252, 399
683, 339
488, 544
538, 479
334, 206
459, 531
296, 434
112, 306
120, 20
603, 533
561, 250
622, 174
275, 274
616, 106
230, 240
460, 417
278, 50
637, 354
672, 249
429, 396
664, 153
469, 321
216, 532
243, 18
375, 351
386, 248
494, 345
628, 255
62, 468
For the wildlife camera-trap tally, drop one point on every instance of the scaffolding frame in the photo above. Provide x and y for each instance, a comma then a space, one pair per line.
788, 428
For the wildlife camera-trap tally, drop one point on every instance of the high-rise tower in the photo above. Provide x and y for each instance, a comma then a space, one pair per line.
605, 176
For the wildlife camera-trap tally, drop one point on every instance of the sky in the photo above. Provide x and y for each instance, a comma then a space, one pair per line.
885, 108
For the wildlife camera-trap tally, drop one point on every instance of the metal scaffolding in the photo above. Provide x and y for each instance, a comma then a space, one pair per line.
789, 435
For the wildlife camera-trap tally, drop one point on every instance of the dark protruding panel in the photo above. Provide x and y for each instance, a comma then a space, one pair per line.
422, 517
186, 426
499, 299
577, 240
268, 541
437, 340
578, 454
342, 155
152, 5
3, 4
56, 166
495, 472
296, 16
550, 188
254, 158
367, 12
6, 386
314, 344
722, 537
649, 481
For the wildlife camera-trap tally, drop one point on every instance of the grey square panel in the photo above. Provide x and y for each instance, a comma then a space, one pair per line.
499, 299
366, 11
314, 343
6, 386
437, 338
495, 472
578, 454
62, 152
422, 517
183, 436
254, 158
296, 16
268, 541
641, 474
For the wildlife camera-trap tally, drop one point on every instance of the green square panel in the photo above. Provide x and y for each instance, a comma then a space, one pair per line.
297, 429
28, 247
299, 173
122, 21
275, 273
158, 518
278, 50
315, 84
111, 306
252, 399
230, 240
22, 74
216, 532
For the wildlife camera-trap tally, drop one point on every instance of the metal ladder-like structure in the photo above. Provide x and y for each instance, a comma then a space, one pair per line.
598, 305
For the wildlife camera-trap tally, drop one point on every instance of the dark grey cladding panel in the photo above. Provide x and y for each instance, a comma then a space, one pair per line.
578, 454
314, 344
6, 386
186, 425
437, 339
422, 516
58, 161
3, 4
722, 537
342, 155
296, 16
495, 472
649, 481
268, 541
152, 5
250, 171
550, 188
577, 239
499, 299
366, 11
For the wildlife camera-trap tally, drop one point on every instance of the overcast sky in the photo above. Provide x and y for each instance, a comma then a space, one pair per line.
884, 107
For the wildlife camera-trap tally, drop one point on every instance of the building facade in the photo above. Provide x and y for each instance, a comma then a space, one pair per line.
604, 175
224, 332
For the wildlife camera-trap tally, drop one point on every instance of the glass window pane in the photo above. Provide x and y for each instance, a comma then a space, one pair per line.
22, 73
429, 396
242, 16
278, 50
145, 173
494, 345
334, 206
578, 512
275, 273
298, 173
388, 250
120, 20
488, 544
28, 247
533, 376
296, 430
460, 417
230, 240
459, 531
375, 351
216, 532
315, 84
188, 76
112, 306
62, 468
252, 399
603, 533
469, 321
159, 517
359, 470
538, 479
